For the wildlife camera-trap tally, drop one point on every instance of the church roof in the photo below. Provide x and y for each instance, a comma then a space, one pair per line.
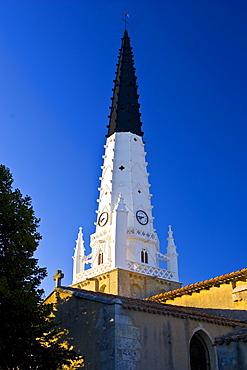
125, 115
239, 336
150, 307
206, 284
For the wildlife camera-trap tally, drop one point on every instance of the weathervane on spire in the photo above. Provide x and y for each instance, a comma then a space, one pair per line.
126, 15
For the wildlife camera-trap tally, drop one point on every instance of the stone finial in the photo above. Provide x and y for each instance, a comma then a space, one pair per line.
58, 277
79, 255
170, 232
171, 245
120, 206
80, 242
172, 255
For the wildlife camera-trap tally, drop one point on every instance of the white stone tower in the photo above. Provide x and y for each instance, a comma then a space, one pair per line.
125, 248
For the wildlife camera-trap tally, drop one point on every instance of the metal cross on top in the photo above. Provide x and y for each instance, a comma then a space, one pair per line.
58, 277
126, 15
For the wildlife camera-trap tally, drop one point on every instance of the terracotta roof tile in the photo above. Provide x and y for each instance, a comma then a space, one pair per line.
240, 335
206, 284
155, 307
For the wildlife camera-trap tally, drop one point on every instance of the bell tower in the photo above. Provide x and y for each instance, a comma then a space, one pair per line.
125, 247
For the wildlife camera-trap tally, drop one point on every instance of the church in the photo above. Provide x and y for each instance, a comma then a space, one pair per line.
122, 310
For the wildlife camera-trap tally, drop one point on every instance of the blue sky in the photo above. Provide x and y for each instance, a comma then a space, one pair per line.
57, 63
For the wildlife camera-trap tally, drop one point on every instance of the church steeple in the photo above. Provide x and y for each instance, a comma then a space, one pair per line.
125, 115
125, 247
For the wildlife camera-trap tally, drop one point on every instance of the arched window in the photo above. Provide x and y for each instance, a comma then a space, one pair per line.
199, 354
100, 258
144, 256
102, 288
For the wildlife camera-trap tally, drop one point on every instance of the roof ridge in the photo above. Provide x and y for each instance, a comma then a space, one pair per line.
235, 336
200, 285
153, 307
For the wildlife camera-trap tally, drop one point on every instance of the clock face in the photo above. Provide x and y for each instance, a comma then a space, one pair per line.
103, 218
142, 217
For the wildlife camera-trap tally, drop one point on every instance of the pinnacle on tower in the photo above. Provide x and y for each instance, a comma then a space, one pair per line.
172, 254
79, 257
120, 206
125, 115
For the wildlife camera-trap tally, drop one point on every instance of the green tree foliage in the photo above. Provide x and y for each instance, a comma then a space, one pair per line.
29, 338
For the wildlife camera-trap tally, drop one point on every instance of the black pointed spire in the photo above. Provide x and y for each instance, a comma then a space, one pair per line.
125, 115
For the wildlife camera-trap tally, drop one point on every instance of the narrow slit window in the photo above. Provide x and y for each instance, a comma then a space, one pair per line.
100, 258
144, 256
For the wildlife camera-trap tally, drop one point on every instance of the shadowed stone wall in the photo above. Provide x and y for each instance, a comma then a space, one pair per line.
232, 356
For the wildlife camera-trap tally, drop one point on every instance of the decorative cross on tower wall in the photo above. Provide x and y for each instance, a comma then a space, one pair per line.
58, 278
